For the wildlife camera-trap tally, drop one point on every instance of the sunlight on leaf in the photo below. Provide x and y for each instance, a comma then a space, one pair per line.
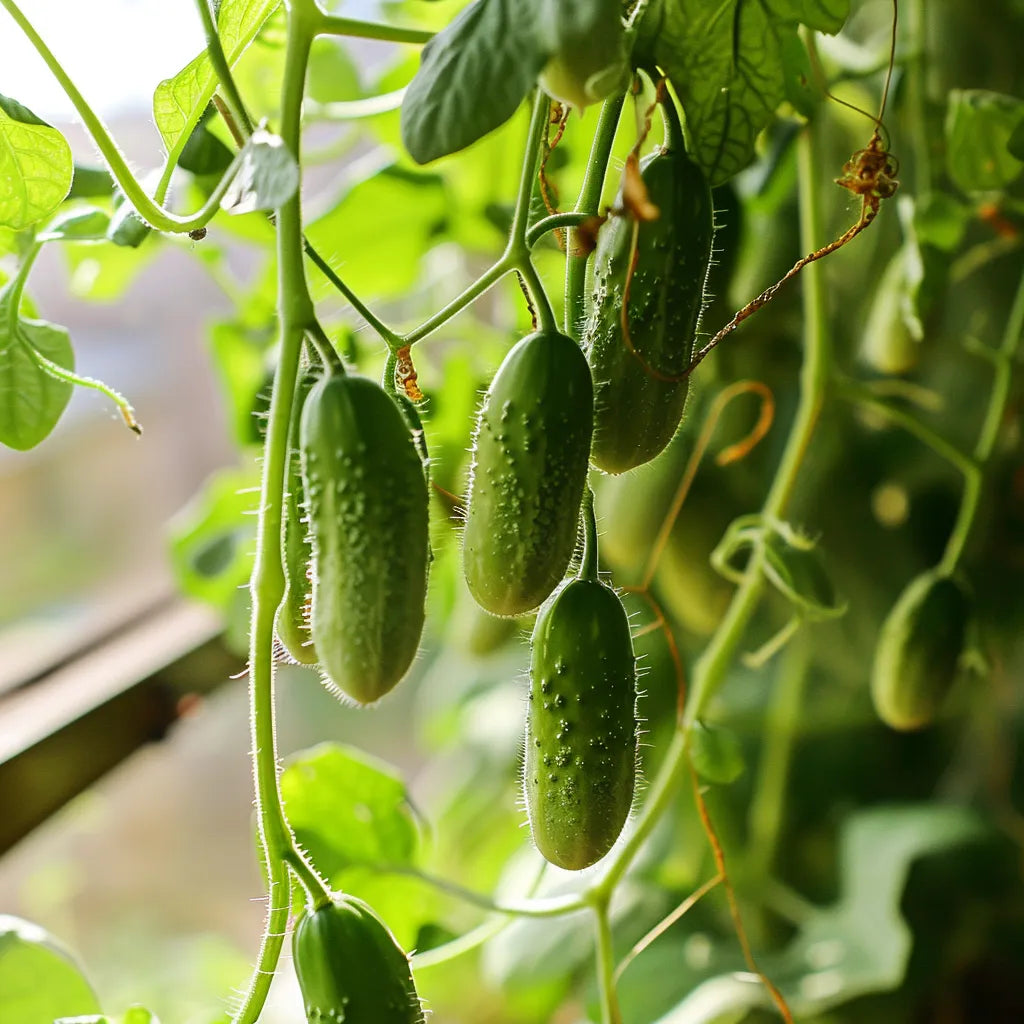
35, 166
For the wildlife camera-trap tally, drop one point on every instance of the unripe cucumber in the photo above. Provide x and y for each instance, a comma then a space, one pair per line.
529, 466
292, 623
366, 496
919, 650
639, 393
580, 764
350, 968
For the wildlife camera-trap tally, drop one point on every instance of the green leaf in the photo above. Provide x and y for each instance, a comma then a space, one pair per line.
213, 538
31, 400
78, 224
823, 15
39, 979
725, 62
267, 177
126, 227
35, 166
179, 102
204, 153
91, 183
348, 809
859, 945
979, 127
378, 232
472, 76
716, 753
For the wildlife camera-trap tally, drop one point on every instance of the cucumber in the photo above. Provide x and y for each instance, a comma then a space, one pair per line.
581, 730
919, 648
639, 393
351, 969
529, 465
292, 622
366, 497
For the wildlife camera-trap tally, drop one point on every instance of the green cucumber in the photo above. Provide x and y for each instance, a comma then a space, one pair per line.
350, 968
919, 649
366, 497
581, 729
639, 390
292, 623
530, 453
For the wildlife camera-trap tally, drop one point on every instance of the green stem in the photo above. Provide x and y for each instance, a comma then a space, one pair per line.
222, 69
329, 25
605, 951
15, 288
852, 391
587, 204
998, 397
780, 730
151, 212
589, 564
546, 319
331, 359
388, 336
711, 668
485, 281
318, 894
528, 175
296, 315
552, 223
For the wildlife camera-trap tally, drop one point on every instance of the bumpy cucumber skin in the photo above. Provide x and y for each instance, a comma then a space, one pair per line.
292, 623
581, 729
529, 466
366, 496
918, 651
636, 412
351, 969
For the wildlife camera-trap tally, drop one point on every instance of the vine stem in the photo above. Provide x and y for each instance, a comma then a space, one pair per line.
330, 25
587, 204
149, 210
711, 668
296, 314
589, 564
610, 1011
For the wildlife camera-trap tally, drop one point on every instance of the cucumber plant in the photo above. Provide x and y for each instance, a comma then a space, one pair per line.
746, 627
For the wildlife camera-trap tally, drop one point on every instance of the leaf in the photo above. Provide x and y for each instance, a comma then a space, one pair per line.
213, 538
822, 15
31, 401
472, 76
179, 102
348, 809
91, 183
35, 166
979, 127
127, 228
725, 62
39, 979
859, 945
716, 753
379, 230
78, 224
204, 153
267, 178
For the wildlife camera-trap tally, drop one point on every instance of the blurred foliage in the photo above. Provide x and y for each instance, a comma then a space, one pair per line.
878, 873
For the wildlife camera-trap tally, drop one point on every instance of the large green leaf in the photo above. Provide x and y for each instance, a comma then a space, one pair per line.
472, 77
979, 127
858, 945
179, 102
31, 399
348, 809
725, 61
35, 166
39, 979
380, 229
823, 15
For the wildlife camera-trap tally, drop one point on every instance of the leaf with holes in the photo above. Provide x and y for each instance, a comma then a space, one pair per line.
35, 166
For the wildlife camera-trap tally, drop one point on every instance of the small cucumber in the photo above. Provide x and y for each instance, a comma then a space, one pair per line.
919, 650
292, 624
351, 969
366, 497
639, 393
581, 727
530, 453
